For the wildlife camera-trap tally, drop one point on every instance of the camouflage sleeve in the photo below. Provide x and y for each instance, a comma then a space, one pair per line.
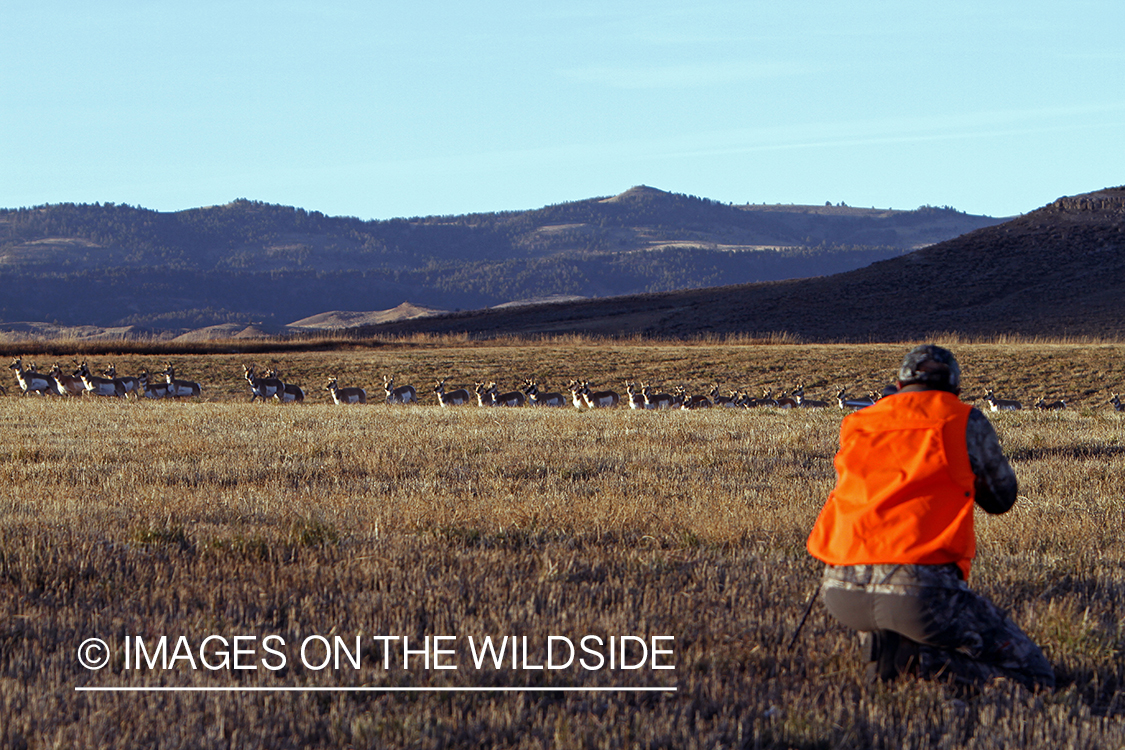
996, 482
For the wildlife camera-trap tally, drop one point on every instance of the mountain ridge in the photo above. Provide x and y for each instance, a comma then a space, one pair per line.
248, 262
1058, 270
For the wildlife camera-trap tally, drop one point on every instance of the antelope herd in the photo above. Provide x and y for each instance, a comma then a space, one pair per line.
640, 396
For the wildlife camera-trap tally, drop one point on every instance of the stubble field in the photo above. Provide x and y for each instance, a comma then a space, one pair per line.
217, 517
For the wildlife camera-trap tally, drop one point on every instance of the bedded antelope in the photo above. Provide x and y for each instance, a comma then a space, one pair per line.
96, 386
150, 389
451, 398
353, 395
853, 402
131, 384
767, 398
1117, 404
726, 401
260, 387
67, 385
785, 401
1001, 404
1050, 406
180, 388
535, 397
403, 394
807, 403
31, 381
698, 401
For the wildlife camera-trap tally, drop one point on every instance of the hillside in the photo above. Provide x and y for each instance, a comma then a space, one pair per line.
249, 262
1056, 271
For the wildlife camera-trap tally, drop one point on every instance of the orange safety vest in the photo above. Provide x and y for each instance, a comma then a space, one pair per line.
904, 490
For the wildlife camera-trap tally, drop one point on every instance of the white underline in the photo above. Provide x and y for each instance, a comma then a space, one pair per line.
376, 689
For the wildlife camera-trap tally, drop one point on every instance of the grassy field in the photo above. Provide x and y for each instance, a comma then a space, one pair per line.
222, 518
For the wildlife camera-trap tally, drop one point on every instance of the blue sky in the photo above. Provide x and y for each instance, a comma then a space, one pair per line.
381, 110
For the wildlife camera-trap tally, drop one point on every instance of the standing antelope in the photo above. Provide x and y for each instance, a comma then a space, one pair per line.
180, 388
290, 392
96, 386
486, 395
340, 395
656, 400
598, 399
852, 403
131, 384
403, 394
537, 398
451, 398
67, 385
1001, 404
576, 394
31, 381
511, 398
262, 388
636, 398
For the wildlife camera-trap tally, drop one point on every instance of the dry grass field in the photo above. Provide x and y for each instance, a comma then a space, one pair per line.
216, 517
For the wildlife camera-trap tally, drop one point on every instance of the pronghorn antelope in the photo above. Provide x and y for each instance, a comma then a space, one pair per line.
694, 402
150, 389
1116, 401
656, 400
1001, 404
717, 400
263, 388
856, 402
767, 398
636, 398
31, 381
353, 395
67, 385
131, 384
290, 392
598, 399
576, 394
451, 398
785, 401
512, 398
486, 395
807, 403
180, 388
537, 398
403, 394
1053, 405
96, 386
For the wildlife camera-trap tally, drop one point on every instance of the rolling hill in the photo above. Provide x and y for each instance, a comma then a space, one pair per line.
1057, 271
248, 262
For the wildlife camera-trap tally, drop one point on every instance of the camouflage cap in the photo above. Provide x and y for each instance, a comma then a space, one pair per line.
932, 366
